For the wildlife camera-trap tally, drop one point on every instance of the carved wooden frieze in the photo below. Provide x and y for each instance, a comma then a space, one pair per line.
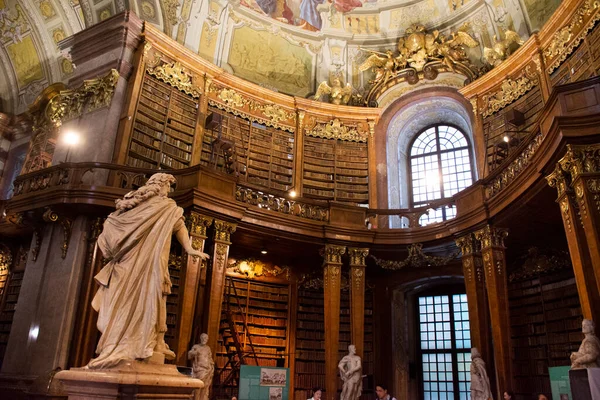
336, 129
510, 90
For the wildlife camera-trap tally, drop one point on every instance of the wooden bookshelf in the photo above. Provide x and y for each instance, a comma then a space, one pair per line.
545, 327
264, 306
335, 170
368, 391
164, 127
11, 296
177, 274
310, 343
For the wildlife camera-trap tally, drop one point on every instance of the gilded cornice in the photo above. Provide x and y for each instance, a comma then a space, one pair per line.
335, 129
93, 93
510, 90
566, 39
244, 106
175, 75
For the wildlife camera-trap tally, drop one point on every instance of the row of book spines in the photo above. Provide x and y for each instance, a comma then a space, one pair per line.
260, 287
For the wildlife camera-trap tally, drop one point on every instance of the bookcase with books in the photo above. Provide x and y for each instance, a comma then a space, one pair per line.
265, 155
310, 343
368, 357
335, 170
545, 327
9, 304
177, 273
264, 307
164, 127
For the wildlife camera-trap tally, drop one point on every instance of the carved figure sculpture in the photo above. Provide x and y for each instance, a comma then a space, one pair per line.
589, 351
131, 300
203, 366
480, 383
338, 94
383, 66
350, 367
502, 48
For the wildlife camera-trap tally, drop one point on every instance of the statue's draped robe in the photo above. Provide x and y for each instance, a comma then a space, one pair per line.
130, 300
480, 383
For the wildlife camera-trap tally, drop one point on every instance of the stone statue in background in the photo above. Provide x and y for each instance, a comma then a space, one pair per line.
480, 383
589, 351
350, 368
203, 366
131, 300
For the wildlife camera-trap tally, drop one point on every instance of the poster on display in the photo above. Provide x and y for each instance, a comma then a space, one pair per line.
262, 383
559, 382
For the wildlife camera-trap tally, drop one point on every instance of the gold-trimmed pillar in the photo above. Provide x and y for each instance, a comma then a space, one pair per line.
223, 231
193, 290
357, 297
476, 295
494, 266
332, 279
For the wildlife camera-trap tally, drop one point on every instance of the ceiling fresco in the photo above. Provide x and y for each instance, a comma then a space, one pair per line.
289, 46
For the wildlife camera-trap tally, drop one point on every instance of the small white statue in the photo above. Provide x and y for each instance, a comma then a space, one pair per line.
131, 300
589, 351
480, 383
203, 366
350, 368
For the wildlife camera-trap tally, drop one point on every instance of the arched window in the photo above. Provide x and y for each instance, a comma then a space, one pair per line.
440, 166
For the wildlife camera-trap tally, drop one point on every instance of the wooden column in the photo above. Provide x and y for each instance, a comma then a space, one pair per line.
223, 231
192, 292
357, 297
494, 264
478, 138
332, 278
299, 153
583, 163
476, 295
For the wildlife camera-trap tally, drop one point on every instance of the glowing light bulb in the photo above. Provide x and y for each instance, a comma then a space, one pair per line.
293, 193
506, 138
71, 138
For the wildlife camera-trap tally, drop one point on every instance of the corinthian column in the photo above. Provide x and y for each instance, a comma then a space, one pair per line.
332, 278
494, 265
357, 297
223, 231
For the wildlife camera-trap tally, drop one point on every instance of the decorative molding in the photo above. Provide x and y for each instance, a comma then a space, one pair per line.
358, 256
93, 93
223, 230
468, 245
281, 204
175, 75
334, 129
220, 255
66, 224
416, 259
491, 237
566, 39
510, 90
559, 180
197, 224
508, 174
581, 159
253, 268
332, 254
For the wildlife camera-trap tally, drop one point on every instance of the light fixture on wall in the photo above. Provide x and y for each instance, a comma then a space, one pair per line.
292, 193
70, 139
263, 251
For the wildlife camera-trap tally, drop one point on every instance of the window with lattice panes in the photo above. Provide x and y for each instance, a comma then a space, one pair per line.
445, 347
440, 166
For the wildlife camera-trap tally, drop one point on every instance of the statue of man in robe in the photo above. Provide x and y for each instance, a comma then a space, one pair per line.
131, 300
203, 366
480, 383
588, 354
350, 367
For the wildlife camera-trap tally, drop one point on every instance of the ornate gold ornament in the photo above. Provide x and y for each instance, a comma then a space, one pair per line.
558, 179
334, 129
468, 245
175, 75
510, 90
170, 9
581, 159
281, 204
224, 230
254, 268
220, 254
66, 224
197, 224
514, 169
566, 39
541, 262
358, 256
338, 93
416, 259
491, 237
93, 93
501, 49
332, 254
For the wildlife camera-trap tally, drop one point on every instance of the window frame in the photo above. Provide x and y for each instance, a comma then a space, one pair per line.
445, 290
437, 153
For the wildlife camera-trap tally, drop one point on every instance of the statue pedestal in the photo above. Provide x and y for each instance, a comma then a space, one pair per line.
129, 380
585, 383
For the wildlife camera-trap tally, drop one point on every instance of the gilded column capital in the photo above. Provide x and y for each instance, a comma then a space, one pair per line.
581, 159
358, 256
223, 230
491, 237
332, 254
371, 128
198, 223
559, 180
468, 245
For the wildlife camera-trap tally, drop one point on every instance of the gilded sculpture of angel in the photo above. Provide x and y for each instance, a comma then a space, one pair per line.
502, 48
452, 48
338, 94
384, 66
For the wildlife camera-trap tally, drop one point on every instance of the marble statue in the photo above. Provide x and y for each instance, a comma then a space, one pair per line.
131, 300
589, 351
350, 368
203, 366
480, 383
